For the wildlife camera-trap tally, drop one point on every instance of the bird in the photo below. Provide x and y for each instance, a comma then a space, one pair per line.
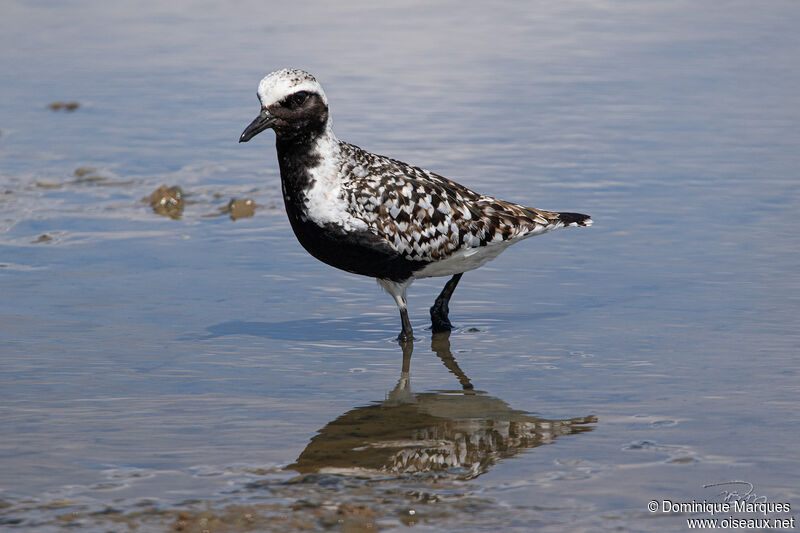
372, 215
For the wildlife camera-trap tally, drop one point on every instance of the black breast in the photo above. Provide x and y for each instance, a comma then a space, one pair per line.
359, 252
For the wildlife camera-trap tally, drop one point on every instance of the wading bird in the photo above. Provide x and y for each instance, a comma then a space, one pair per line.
376, 216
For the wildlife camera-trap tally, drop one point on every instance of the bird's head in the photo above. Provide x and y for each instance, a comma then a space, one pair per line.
292, 103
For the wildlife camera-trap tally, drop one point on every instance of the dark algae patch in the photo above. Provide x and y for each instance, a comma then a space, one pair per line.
166, 201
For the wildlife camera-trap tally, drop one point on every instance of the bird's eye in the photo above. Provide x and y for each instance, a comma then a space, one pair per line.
298, 98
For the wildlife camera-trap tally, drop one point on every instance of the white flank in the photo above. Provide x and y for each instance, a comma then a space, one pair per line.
474, 257
463, 260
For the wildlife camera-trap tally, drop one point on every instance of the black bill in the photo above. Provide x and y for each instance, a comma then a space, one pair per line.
262, 122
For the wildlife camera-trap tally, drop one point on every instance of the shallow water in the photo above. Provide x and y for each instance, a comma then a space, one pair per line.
202, 372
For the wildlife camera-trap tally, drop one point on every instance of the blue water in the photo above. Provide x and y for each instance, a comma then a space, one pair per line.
151, 367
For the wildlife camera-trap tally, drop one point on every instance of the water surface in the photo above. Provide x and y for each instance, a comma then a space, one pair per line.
201, 372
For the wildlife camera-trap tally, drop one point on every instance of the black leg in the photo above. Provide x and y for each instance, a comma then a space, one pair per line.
406, 334
440, 309
398, 292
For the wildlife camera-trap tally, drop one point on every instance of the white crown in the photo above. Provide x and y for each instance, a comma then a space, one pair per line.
279, 84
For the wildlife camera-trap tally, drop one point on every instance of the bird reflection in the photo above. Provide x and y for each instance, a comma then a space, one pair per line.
460, 434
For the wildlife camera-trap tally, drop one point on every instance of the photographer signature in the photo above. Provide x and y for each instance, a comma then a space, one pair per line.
734, 494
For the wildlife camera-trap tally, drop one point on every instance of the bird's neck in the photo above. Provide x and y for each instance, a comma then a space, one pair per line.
305, 160
300, 153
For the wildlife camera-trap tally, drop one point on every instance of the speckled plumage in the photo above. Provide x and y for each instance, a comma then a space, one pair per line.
426, 217
373, 215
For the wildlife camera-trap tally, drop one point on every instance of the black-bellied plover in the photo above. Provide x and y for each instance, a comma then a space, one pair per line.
379, 217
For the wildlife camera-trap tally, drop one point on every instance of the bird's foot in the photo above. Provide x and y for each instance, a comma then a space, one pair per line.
439, 319
405, 336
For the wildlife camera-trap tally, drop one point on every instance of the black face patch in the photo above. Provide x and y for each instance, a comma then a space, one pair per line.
296, 100
301, 116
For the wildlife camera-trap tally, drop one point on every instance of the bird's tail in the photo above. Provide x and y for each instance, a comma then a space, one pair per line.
544, 221
574, 219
